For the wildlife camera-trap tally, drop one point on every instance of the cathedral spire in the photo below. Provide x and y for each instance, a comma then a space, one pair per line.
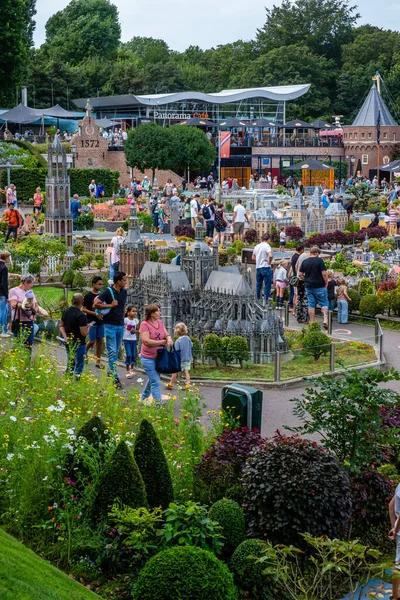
133, 227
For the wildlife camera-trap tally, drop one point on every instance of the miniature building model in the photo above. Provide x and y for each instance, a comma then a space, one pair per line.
58, 220
209, 299
133, 252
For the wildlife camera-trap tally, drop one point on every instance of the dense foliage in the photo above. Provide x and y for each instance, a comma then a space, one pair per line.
229, 515
187, 573
315, 342
81, 178
247, 572
222, 464
370, 497
293, 485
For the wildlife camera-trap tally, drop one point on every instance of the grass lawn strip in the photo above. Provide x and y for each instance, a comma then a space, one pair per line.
25, 576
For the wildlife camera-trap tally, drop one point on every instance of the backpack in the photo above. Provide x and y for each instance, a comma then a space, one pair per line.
207, 212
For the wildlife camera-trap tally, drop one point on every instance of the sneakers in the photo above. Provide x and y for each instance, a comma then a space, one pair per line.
169, 386
5, 335
118, 384
99, 366
129, 375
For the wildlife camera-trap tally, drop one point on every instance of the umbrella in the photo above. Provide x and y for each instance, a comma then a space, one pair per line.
265, 123
198, 122
298, 124
310, 165
391, 167
232, 122
319, 124
105, 123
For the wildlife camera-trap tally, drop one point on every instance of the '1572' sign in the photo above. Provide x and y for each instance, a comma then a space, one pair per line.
90, 143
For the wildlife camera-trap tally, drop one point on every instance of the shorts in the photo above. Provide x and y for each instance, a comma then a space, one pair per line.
317, 296
238, 227
282, 244
220, 229
397, 561
185, 365
96, 333
280, 284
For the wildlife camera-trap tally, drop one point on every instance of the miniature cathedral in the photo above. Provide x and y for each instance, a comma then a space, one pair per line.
58, 220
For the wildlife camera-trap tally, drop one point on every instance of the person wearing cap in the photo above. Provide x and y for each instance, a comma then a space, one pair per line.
315, 276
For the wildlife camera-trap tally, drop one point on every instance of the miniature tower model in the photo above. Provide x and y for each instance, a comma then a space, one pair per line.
58, 221
133, 252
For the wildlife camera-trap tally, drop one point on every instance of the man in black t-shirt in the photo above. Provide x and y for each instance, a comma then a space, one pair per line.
96, 333
313, 272
112, 301
74, 329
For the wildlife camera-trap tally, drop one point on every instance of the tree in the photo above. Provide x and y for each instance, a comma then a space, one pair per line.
86, 259
315, 342
153, 466
68, 277
212, 347
79, 281
41, 249
148, 147
78, 249
84, 29
16, 40
346, 413
191, 149
238, 348
322, 25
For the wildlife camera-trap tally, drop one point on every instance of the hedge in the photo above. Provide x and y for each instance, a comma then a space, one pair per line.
81, 178
26, 181
32, 149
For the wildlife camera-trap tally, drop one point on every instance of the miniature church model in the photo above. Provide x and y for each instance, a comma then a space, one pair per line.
58, 221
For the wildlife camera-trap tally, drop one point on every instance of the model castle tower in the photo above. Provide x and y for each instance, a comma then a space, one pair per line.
200, 261
133, 252
58, 221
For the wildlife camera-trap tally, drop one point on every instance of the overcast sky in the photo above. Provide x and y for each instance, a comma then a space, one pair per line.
205, 23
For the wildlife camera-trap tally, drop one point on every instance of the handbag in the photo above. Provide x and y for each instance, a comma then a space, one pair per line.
16, 322
168, 361
294, 280
105, 311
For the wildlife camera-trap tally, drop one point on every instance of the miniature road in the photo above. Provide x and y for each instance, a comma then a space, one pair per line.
277, 409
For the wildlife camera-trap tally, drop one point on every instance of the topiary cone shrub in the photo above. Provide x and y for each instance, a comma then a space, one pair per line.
247, 573
229, 515
153, 466
187, 573
365, 286
221, 466
94, 431
122, 481
293, 485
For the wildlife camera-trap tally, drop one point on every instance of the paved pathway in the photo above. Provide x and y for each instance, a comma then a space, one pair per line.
277, 410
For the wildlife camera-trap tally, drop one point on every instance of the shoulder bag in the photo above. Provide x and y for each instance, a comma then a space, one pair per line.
168, 360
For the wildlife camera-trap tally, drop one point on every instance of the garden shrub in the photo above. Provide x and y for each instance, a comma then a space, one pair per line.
371, 493
222, 258
295, 234
370, 305
79, 281
81, 178
354, 303
221, 466
145, 222
185, 231
292, 485
238, 349
153, 466
94, 431
247, 572
229, 515
186, 573
170, 254
315, 342
225, 356
154, 256
84, 222
121, 480
250, 236
212, 347
365, 286
190, 525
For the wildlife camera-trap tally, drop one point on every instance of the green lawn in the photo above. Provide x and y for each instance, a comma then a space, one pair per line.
348, 354
50, 293
25, 576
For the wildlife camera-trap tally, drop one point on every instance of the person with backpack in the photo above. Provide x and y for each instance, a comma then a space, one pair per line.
111, 304
14, 220
209, 217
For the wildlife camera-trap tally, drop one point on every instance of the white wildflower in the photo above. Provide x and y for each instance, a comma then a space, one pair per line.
10, 456
13, 418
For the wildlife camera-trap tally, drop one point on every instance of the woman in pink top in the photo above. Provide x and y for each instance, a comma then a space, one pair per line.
22, 316
153, 336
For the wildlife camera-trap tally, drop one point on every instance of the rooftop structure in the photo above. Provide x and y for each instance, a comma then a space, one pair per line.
374, 108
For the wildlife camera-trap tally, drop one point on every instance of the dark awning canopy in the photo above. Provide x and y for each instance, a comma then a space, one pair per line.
232, 122
310, 165
22, 114
391, 167
265, 123
198, 122
320, 124
59, 112
298, 124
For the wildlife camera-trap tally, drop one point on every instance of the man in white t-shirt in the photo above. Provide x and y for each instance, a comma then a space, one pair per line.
194, 210
92, 188
238, 220
262, 254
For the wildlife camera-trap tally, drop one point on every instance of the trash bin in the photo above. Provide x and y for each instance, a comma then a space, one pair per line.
244, 402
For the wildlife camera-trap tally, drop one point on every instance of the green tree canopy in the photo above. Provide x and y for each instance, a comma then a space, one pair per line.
85, 28
40, 249
148, 147
190, 148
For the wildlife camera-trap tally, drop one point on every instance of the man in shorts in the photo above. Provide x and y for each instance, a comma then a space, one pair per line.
394, 535
315, 276
238, 220
96, 332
